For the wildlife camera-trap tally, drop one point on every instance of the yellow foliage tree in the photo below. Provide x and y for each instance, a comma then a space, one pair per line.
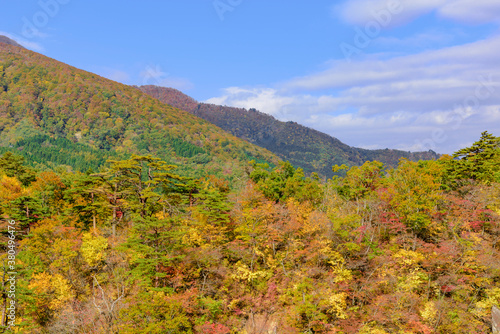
51, 291
93, 248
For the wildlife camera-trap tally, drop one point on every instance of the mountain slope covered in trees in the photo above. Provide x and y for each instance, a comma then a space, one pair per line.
309, 149
54, 114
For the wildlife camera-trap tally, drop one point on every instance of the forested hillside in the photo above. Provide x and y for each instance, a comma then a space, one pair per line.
56, 115
136, 248
309, 149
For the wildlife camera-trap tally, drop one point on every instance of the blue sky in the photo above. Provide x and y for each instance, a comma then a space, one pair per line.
411, 75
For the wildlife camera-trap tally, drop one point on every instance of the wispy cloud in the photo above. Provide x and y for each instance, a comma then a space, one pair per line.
468, 11
362, 11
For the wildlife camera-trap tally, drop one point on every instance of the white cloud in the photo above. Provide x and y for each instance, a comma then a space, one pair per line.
456, 65
361, 12
267, 99
432, 100
280, 104
151, 75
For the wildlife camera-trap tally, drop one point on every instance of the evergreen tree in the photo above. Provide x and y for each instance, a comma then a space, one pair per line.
480, 162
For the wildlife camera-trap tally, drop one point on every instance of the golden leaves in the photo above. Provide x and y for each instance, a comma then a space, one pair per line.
430, 312
483, 307
10, 189
244, 273
338, 305
52, 290
93, 248
408, 258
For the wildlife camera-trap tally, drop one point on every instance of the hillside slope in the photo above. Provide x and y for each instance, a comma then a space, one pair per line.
304, 147
55, 114
6, 40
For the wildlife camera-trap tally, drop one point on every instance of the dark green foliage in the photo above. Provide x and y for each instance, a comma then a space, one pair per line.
285, 182
44, 151
150, 193
83, 195
142, 184
28, 210
212, 202
13, 165
480, 162
181, 147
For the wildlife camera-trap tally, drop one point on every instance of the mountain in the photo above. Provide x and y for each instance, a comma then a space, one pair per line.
54, 114
6, 40
304, 147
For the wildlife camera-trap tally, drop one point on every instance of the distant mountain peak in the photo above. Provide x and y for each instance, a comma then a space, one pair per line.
7, 40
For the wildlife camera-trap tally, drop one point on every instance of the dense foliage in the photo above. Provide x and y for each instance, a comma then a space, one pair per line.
309, 149
137, 248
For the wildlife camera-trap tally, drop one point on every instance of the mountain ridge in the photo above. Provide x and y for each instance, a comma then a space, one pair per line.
304, 147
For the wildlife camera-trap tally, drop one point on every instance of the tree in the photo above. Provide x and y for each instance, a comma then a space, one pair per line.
12, 165
479, 162
19, 203
359, 181
211, 211
86, 199
151, 194
285, 182
142, 185
415, 194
